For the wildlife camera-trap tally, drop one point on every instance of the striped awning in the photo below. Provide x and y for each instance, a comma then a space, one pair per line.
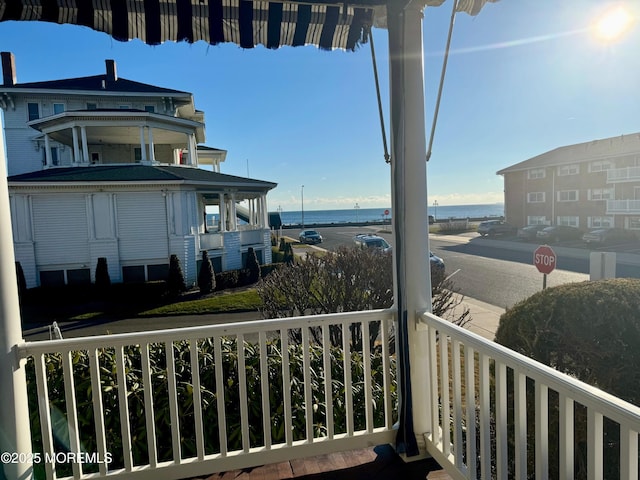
247, 23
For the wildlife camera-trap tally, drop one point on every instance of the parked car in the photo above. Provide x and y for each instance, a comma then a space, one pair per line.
529, 232
437, 264
608, 236
558, 233
496, 227
310, 236
366, 240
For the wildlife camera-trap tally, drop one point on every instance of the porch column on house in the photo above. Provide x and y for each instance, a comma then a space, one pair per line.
47, 151
410, 221
143, 148
233, 219
85, 147
190, 149
222, 220
152, 152
265, 211
15, 431
76, 146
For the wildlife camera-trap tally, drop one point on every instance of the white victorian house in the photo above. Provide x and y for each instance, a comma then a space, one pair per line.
102, 166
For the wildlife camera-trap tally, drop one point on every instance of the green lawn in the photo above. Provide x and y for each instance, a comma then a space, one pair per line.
247, 300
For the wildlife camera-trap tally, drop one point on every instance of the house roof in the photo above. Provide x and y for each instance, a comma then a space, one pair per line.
326, 24
94, 83
581, 152
135, 174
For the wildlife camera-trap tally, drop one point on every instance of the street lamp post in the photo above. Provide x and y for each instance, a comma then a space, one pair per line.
357, 207
302, 199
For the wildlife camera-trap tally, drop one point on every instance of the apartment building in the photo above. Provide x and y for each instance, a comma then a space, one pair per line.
586, 185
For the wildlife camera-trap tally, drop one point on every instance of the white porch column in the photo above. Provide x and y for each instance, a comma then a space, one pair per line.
233, 220
152, 153
143, 148
76, 147
265, 211
85, 147
47, 151
190, 153
15, 433
410, 221
222, 211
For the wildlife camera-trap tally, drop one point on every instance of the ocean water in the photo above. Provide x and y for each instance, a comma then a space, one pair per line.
441, 212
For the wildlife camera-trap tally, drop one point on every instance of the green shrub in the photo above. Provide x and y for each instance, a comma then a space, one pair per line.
176, 283
589, 330
252, 265
206, 276
103, 280
277, 256
228, 279
283, 244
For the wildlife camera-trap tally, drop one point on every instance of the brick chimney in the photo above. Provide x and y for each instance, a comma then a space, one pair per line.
112, 75
8, 69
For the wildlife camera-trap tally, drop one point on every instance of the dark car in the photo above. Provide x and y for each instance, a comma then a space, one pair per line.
310, 236
558, 233
529, 232
608, 236
496, 227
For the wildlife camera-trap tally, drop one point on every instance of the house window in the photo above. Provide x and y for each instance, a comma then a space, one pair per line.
536, 197
601, 194
568, 170
34, 110
150, 108
600, 222
58, 108
600, 166
95, 157
537, 220
536, 173
569, 220
124, 107
568, 196
92, 106
55, 157
137, 154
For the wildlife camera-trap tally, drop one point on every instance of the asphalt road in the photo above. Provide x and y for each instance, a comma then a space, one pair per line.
499, 272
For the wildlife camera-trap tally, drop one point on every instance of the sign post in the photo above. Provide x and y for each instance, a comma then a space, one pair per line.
544, 259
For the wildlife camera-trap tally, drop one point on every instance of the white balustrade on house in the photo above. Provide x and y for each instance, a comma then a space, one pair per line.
623, 206
91, 392
624, 174
484, 396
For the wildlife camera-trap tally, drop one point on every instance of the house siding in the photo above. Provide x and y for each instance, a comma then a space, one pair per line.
142, 226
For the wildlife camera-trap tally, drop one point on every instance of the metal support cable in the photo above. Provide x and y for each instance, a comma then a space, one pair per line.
442, 75
387, 157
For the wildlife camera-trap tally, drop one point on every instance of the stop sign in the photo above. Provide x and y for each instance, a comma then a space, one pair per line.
544, 258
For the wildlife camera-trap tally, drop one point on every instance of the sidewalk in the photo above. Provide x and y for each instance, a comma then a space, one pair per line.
484, 317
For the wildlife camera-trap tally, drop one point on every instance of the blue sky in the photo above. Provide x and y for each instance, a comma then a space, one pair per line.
524, 77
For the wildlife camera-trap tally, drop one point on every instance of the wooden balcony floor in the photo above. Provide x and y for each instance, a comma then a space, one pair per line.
378, 463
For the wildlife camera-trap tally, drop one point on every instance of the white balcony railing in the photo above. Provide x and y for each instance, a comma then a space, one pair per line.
623, 206
484, 398
625, 174
185, 402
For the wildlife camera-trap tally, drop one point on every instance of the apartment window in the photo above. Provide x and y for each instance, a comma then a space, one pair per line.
601, 194
600, 166
33, 110
568, 170
536, 173
569, 220
633, 223
568, 196
536, 197
58, 108
600, 222
92, 106
537, 220
150, 108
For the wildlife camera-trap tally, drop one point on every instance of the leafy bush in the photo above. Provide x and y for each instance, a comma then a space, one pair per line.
589, 330
228, 279
206, 276
253, 265
176, 283
103, 280
135, 380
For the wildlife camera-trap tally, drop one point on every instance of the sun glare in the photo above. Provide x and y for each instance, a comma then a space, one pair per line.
613, 24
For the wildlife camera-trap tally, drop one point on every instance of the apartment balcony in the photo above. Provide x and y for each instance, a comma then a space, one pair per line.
625, 174
623, 207
180, 403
